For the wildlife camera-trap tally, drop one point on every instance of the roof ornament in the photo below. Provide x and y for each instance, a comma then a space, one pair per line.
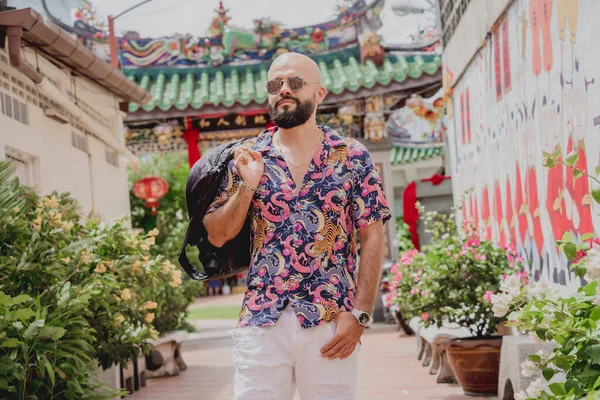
218, 24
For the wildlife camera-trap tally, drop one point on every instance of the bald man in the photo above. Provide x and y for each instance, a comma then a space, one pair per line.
309, 193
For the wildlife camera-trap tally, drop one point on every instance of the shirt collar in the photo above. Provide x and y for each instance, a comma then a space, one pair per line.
332, 140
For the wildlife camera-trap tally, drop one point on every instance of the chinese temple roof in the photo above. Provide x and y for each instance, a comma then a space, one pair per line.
407, 155
184, 89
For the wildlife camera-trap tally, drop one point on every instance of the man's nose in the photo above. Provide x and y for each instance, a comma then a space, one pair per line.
285, 89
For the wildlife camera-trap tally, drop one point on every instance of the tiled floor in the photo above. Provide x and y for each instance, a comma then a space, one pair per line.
388, 368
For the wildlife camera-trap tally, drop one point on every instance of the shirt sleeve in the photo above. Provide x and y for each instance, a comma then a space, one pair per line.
228, 188
369, 202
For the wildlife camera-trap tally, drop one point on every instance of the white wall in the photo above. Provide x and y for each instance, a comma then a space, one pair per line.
98, 186
500, 127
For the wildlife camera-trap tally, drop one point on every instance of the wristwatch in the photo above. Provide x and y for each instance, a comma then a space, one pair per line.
363, 317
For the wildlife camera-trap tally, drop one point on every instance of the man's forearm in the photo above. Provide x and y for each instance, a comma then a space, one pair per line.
369, 270
225, 223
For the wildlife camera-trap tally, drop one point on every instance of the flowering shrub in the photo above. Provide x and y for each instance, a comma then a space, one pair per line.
83, 286
455, 278
570, 322
171, 223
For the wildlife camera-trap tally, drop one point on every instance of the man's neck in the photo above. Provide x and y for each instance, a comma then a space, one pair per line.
300, 137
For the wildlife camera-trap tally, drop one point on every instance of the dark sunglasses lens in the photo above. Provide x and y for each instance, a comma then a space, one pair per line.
274, 86
295, 83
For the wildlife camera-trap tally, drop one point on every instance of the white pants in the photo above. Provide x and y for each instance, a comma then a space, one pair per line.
272, 362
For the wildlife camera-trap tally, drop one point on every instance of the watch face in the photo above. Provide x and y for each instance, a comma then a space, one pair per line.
363, 319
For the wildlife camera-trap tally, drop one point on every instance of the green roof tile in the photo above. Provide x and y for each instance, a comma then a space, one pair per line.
242, 84
407, 155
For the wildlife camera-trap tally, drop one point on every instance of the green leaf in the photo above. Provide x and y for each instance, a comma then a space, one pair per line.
587, 236
541, 333
572, 158
10, 343
590, 289
558, 388
560, 316
20, 299
50, 372
556, 153
596, 195
548, 373
535, 358
580, 270
597, 384
597, 170
570, 250
595, 315
572, 385
594, 352
589, 373
23, 314
592, 396
567, 237
577, 174
33, 329
52, 332
562, 363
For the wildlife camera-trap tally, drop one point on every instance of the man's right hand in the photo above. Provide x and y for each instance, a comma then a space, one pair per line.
250, 165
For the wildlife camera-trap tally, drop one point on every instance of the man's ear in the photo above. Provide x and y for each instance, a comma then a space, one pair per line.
321, 94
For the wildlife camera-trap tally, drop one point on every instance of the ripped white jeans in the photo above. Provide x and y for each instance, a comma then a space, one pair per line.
272, 362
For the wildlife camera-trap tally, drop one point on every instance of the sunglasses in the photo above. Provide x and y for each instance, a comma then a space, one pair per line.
295, 83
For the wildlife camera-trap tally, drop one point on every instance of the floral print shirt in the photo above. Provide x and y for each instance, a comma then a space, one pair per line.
304, 242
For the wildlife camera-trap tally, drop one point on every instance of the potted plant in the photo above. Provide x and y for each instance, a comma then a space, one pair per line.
572, 369
453, 284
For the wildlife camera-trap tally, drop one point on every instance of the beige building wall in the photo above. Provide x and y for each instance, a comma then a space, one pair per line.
61, 155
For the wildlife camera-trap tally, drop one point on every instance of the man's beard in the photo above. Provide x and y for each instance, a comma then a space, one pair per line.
288, 119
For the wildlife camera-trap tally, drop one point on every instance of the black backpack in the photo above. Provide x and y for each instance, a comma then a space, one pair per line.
202, 188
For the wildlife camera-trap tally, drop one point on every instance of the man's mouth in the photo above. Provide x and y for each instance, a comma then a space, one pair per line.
285, 101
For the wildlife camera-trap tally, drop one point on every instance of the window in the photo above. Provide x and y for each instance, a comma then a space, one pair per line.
112, 157
79, 141
13, 108
25, 165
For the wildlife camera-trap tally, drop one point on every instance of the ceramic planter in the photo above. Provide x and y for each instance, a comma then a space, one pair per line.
476, 364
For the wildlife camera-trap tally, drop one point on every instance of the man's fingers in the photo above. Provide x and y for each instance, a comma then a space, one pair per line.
333, 347
332, 342
349, 352
242, 159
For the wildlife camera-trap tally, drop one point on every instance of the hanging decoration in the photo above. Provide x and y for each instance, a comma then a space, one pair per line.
151, 189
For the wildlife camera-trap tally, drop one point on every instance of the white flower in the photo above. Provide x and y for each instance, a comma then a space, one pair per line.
536, 388
521, 395
529, 368
511, 285
500, 304
593, 263
543, 354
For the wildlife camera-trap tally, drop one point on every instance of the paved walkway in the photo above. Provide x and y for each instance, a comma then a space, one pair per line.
388, 368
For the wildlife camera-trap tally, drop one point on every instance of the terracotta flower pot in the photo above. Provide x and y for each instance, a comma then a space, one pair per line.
476, 364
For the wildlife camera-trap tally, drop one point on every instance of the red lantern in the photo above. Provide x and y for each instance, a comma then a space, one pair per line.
151, 189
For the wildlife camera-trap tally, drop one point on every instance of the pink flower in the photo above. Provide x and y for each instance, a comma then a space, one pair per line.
520, 259
581, 254
420, 272
416, 279
399, 277
414, 291
456, 256
509, 257
425, 316
488, 296
478, 257
388, 299
473, 242
596, 241
394, 268
483, 257
463, 252
512, 264
424, 293
448, 254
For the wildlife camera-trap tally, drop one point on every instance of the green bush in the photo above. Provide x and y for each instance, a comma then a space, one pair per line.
89, 279
170, 222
